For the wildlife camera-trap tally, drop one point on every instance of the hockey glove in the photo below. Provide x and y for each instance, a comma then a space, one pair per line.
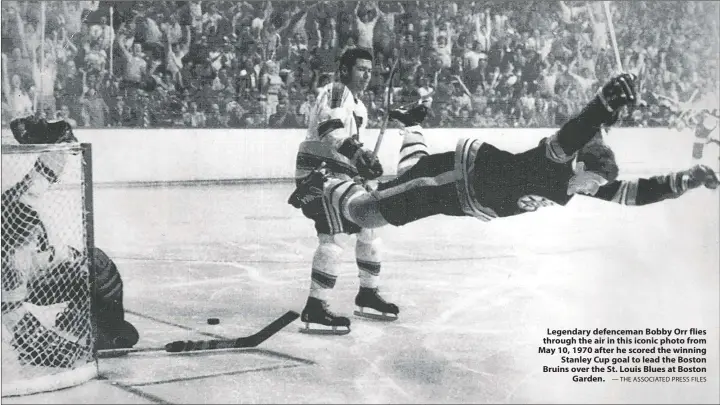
368, 165
618, 92
696, 176
366, 162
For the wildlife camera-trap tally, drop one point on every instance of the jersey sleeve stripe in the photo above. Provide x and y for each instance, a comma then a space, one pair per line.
329, 126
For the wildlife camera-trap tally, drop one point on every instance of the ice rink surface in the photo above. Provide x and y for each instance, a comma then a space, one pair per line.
476, 300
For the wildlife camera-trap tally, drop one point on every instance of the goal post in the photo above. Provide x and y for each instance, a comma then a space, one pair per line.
48, 323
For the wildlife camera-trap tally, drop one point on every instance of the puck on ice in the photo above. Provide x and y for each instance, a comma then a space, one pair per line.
213, 321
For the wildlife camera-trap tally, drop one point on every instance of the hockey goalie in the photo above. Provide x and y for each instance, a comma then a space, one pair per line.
36, 273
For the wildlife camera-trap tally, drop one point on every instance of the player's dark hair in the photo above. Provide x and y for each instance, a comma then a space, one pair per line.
348, 59
600, 159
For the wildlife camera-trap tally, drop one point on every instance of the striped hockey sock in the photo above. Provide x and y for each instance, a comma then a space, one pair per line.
412, 149
367, 253
324, 268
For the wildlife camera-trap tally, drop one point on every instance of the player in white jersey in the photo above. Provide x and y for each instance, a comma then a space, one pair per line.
708, 123
334, 139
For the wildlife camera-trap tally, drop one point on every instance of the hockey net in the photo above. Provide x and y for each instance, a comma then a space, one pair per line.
48, 339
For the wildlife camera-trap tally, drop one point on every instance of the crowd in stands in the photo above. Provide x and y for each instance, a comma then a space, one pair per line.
257, 64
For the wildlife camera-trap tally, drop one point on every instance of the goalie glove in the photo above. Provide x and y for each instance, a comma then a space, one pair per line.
367, 163
696, 176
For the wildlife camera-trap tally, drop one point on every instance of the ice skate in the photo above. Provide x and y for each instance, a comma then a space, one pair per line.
319, 320
409, 115
371, 305
310, 188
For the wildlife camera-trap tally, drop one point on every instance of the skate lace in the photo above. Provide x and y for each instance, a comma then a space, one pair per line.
380, 297
325, 307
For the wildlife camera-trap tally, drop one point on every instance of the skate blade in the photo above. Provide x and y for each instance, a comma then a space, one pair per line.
378, 316
325, 330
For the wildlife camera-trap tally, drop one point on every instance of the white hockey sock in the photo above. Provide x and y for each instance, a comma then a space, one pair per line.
412, 149
367, 254
324, 267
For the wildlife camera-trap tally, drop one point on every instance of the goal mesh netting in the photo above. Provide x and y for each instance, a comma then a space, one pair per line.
47, 324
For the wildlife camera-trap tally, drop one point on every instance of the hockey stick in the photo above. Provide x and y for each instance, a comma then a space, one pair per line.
618, 60
386, 117
215, 344
611, 29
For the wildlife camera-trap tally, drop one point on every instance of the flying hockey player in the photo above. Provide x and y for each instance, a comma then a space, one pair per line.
36, 272
333, 139
483, 181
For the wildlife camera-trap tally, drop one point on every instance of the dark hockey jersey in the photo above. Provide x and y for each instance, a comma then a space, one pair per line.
508, 184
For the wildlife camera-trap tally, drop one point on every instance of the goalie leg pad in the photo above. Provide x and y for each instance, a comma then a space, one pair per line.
39, 346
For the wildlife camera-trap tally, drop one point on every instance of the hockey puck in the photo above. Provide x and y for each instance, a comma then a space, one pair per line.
213, 321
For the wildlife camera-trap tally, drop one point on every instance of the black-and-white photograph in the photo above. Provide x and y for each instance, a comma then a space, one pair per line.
415, 201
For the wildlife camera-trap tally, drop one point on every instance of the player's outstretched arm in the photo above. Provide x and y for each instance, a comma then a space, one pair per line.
658, 188
603, 109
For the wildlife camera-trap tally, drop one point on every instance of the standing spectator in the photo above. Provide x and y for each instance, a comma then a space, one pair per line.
325, 58
194, 118
120, 114
44, 74
173, 30
64, 114
283, 118
135, 64
94, 109
101, 33
365, 21
215, 119
196, 15
19, 102
95, 57
21, 66
271, 85
306, 108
